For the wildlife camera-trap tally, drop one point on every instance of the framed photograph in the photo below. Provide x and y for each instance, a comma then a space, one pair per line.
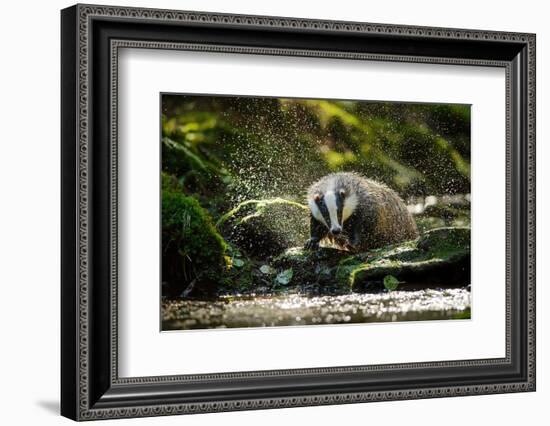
263, 212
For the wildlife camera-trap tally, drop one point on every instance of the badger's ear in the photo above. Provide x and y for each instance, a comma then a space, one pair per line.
317, 197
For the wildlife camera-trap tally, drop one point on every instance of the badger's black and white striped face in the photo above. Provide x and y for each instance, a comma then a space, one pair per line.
333, 208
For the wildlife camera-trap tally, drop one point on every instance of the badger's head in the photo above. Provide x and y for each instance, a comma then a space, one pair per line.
333, 207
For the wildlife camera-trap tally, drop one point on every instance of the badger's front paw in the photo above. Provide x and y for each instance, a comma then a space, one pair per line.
350, 247
354, 242
312, 244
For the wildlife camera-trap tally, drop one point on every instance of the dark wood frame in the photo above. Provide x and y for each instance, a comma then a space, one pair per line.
91, 37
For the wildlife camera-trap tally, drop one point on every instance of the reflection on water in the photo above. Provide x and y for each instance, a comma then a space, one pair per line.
261, 311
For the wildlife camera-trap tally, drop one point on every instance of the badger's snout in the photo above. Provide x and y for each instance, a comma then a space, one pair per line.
335, 230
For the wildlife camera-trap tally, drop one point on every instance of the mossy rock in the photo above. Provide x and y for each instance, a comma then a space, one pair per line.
264, 228
445, 241
192, 249
440, 257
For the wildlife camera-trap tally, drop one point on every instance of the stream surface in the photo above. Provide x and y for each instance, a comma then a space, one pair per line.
293, 309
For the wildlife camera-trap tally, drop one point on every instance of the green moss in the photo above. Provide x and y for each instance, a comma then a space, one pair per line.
170, 183
465, 314
441, 256
192, 248
345, 269
445, 240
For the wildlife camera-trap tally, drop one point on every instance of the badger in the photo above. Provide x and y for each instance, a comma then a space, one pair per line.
356, 213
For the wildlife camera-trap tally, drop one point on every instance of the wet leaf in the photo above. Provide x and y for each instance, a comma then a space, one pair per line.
391, 283
284, 277
238, 262
266, 269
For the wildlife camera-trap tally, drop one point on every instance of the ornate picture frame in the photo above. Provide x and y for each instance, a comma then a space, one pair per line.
91, 37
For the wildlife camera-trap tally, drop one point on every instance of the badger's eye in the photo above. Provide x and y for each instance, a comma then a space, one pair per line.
342, 193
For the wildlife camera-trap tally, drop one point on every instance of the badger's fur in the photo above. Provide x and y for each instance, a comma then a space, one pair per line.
356, 213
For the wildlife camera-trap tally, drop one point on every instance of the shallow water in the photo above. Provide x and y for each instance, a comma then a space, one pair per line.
262, 311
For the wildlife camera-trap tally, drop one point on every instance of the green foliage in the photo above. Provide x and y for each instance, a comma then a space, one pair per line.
390, 283
191, 246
